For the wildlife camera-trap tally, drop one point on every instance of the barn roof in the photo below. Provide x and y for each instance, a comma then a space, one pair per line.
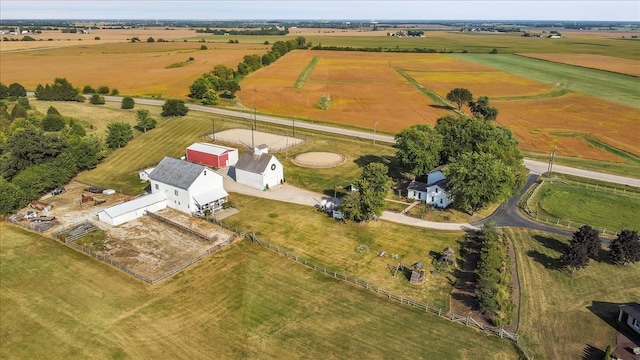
253, 163
135, 204
177, 173
210, 148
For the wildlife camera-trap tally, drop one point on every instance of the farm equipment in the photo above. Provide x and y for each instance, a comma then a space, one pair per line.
94, 189
97, 201
58, 191
42, 218
87, 198
39, 205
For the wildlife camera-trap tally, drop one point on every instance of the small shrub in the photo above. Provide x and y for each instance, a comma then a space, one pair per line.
97, 99
87, 89
127, 103
97, 38
104, 90
203, 47
115, 92
24, 102
325, 102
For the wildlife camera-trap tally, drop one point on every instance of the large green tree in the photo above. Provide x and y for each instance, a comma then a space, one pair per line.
200, 87
459, 96
174, 107
60, 90
482, 109
118, 134
368, 203
17, 90
479, 179
625, 248
419, 149
127, 103
585, 243
144, 120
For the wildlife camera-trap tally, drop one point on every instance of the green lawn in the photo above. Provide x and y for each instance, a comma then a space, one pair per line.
244, 302
622, 89
561, 315
587, 206
316, 237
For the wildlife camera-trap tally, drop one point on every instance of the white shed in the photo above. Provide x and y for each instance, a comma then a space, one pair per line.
132, 209
259, 170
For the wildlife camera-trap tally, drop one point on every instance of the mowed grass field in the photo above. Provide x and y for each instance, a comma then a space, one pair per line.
562, 316
314, 236
244, 302
598, 209
137, 69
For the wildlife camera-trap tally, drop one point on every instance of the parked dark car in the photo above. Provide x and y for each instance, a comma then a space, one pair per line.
94, 189
58, 191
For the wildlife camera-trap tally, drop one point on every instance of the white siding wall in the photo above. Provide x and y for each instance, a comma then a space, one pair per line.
416, 195
437, 197
181, 202
250, 179
273, 177
630, 322
132, 215
233, 157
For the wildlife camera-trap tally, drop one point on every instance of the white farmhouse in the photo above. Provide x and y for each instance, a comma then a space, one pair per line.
188, 187
434, 191
259, 169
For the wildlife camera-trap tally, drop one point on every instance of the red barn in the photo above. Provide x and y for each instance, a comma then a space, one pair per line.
212, 155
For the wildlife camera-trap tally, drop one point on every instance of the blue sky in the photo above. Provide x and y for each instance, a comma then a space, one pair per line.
615, 10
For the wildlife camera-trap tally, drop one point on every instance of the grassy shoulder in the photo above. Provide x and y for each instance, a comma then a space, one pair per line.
59, 303
587, 206
562, 315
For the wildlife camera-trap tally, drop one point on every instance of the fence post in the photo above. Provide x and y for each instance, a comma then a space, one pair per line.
501, 330
468, 316
440, 312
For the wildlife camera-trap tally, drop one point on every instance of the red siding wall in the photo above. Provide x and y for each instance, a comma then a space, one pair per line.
207, 159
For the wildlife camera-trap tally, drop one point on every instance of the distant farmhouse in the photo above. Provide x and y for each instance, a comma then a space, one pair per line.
178, 184
434, 192
259, 169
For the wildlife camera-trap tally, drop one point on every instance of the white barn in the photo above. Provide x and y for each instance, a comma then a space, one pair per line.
133, 209
188, 187
434, 192
259, 169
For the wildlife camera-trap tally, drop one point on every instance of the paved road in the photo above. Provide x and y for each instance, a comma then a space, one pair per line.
536, 167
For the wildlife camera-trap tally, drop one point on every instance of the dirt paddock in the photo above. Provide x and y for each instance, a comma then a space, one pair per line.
319, 159
276, 142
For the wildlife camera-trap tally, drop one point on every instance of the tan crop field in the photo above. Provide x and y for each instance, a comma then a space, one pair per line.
138, 69
534, 121
594, 61
492, 83
364, 88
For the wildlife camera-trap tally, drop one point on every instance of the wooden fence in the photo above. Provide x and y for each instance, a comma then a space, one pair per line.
465, 320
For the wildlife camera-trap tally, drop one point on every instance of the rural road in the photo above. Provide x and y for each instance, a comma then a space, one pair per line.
536, 167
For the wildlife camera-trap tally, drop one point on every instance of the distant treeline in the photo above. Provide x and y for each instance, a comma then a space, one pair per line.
380, 49
262, 31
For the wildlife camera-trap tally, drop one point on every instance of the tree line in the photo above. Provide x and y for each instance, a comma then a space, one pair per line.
222, 81
586, 244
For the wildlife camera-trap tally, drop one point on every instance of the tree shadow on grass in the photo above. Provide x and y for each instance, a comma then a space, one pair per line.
550, 243
547, 261
443, 107
591, 352
395, 170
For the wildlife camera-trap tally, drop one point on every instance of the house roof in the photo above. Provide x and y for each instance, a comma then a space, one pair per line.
442, 184
176, 173
253, 163
135, 204
417, 185
632, 309
210, 148
209, 196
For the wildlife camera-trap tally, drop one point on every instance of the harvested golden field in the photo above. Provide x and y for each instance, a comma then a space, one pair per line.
534, 121
492, 83
53, 39
365, 89
593, 61
138, 69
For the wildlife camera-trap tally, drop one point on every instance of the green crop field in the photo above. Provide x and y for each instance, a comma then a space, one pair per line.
455, 41
599, 209
622, 89
562, 316
244, 302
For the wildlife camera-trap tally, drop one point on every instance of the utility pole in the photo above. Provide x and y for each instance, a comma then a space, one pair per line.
374, 132
553, 155
213, 128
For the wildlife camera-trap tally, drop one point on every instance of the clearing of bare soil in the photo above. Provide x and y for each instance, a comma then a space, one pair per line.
246, 137
319, 159
152, 248
146, 245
